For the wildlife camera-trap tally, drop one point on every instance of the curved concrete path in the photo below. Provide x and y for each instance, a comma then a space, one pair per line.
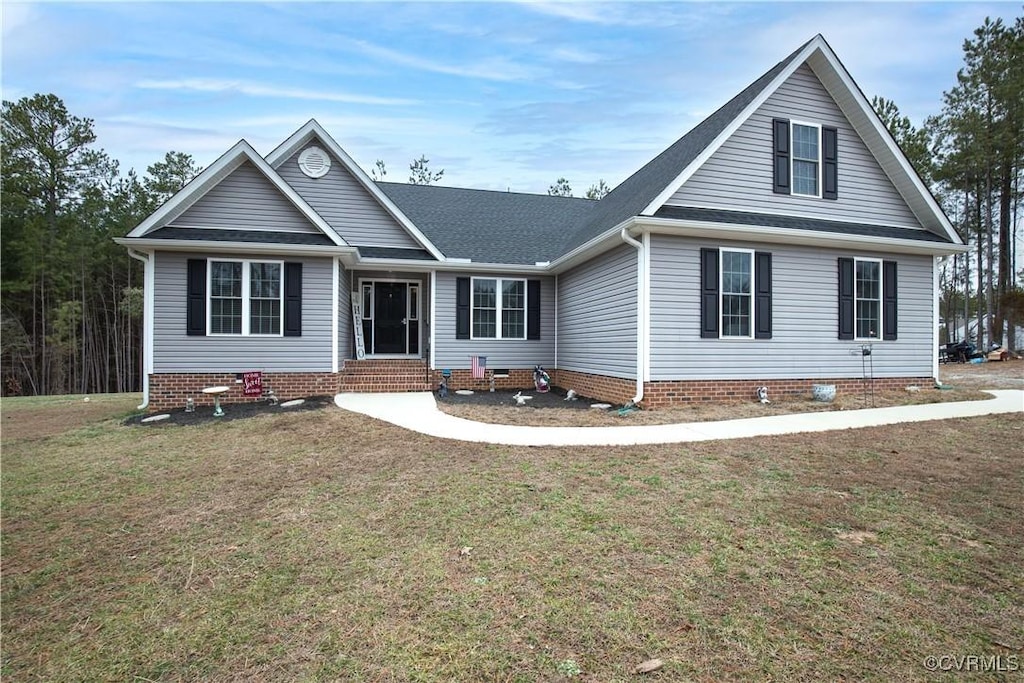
419, 413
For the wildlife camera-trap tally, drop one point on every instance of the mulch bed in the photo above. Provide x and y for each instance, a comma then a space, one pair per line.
556, 398
234, 411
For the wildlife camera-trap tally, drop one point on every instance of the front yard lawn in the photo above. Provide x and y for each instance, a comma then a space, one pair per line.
328, 546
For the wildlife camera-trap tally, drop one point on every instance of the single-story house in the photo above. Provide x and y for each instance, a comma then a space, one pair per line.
770, 246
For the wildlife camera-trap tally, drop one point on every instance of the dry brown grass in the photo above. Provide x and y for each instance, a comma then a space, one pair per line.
698, 412
39, 416
326, 546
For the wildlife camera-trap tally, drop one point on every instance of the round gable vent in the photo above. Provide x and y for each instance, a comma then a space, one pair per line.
314, 162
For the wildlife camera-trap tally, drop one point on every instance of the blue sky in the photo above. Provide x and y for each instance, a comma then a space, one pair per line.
500, 95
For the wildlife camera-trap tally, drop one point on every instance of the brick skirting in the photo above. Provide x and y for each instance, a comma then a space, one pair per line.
600, 387
674, 392
463, 379
169, 390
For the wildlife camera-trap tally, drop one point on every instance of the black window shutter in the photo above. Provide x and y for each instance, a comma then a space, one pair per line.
195, 298
462, 308
709, 293
830, 159
780, 139
533, 309
293, 299
846, 313
763, 295
889, 316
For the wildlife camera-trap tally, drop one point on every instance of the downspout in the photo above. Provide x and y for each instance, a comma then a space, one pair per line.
641, 304
146, 342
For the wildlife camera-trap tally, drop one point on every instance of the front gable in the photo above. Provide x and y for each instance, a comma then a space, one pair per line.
357, 207
241, 196
245, 200
739, 175
344, 203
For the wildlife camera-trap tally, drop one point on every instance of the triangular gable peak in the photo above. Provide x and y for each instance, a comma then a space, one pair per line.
238, 167
345, 196
822, 64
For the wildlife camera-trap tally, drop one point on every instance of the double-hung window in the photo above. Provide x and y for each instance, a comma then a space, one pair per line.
245, 297
806, 159
868, 298
499, 308
737, 268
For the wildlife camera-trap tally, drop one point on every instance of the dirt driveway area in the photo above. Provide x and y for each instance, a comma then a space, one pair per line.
991, 375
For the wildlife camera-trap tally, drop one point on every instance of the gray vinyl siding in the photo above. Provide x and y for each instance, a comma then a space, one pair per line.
597, 310
501, 353
245, 200
346, 342
346, 206
174, 351
739, 174
804, 344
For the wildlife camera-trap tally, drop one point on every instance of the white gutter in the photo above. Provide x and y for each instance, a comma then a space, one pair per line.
147, 322
641, 308
761, 233
235, 247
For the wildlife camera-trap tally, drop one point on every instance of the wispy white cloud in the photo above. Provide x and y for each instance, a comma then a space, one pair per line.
488, 68
214, 85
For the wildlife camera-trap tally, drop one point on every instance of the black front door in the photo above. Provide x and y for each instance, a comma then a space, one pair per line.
389, 317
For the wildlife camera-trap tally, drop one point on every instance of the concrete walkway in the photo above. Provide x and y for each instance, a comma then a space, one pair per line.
419, 413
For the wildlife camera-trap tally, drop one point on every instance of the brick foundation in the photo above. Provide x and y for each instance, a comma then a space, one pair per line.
169, 390
674, 392
463, 379
600, 387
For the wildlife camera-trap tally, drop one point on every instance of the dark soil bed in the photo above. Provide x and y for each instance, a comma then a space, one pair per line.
233, 411
556, 398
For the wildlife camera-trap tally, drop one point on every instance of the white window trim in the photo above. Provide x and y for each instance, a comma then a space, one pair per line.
721, 293
792, 157
498, 308
246, 301
879, 336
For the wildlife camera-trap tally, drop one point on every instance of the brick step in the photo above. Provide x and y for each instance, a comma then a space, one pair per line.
355, 372
381, 387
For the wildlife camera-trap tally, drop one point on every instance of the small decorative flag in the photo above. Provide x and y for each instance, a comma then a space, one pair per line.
252, 383
479, 365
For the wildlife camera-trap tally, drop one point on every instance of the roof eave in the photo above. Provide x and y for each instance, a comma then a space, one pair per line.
155, 244
771, 235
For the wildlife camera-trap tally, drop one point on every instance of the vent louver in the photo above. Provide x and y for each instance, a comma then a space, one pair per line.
314, 162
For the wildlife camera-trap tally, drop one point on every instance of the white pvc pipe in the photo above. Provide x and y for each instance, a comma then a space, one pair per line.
641, 266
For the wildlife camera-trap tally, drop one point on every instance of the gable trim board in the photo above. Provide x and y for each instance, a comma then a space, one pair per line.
851, 101
575, 242
212, 176
312, 129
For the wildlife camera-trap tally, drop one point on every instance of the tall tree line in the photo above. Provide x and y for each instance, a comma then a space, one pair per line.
971, 154
71, 309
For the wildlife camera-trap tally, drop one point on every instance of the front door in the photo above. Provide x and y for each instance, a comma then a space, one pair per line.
390, 317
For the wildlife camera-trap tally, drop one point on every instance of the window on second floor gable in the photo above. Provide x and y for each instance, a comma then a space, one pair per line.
806, 159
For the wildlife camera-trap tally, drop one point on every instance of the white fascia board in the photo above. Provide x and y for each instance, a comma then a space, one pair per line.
837, 80
214, 174
767, 92
449, 266
234, 247
312, 129
760, 233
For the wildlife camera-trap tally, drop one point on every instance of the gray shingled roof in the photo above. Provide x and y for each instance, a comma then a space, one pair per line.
794, 223
396, 253
255, 236
488, 226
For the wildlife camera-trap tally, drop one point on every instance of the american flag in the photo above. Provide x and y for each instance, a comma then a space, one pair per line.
479, 364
